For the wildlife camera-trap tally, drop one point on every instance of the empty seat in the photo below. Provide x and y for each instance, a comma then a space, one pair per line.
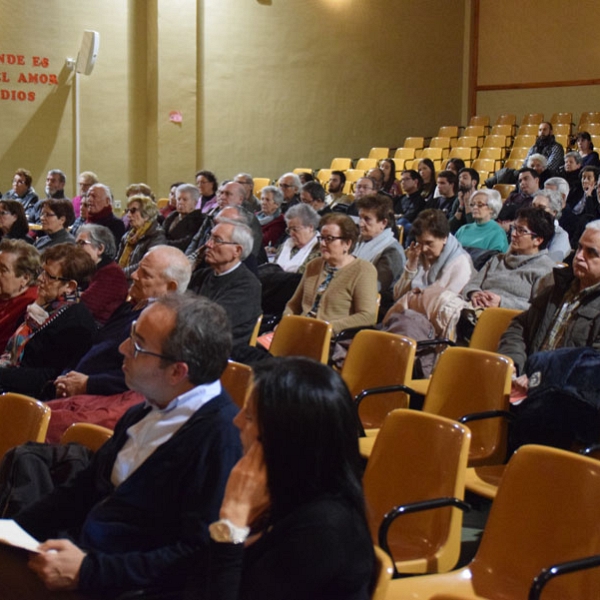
367, 163
505, 189
402, 155
477, 131
379, 153
495, 154
480, 120
466, 154
341, 164
259, 184
524, 141
562, 117
418, 143
443, 143
323, 176
450, 131
535, 118
528, 129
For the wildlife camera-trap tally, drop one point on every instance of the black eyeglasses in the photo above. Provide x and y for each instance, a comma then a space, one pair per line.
137, 349
132, 210
328, 238
46, 275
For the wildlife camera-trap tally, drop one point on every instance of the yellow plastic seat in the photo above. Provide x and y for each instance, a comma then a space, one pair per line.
443, 143
434, 154
480, 121
162, 202
532, 119
255, 331
341, 164
87, 434
528, 129
367, 163
259, 184
418, 457
562, 118
546, 512
592, 128
467, 141
513, 163
353, 175
379, 153
402, 155
467, 381
495, 154
505, 189
384, 573
505, 129
524, 141
466, 154
376, 359
519, 153
588, 117
496, 141
237, 380
22, 419
451, 132
300, 170
302, 336
418, 143
506, 119
323, 175
561, 129
477, 131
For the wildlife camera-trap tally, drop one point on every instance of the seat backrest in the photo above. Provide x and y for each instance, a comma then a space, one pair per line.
414, 142
354, 174
418, 456
506, 119
466, 381
302, 336
375, 359
379, 153
300, 170
466, 141
505, 189
87, 434
524, 141
323, 176
255, 331
440, 142
546, 512
366, 163
492, 323
519, 152
341, 164
406, 153
532, 118
237, 380
494, 153
495, 141
260, 183
22, 419
479, 121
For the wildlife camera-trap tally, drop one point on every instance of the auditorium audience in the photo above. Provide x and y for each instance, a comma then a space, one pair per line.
337, 287
56, 216
304, 511
391, 185
58, 328
302, 245
144, 232
23, 192
484, 232
270, 216
108, 287
19, 268
181, 226
547, 145
13, 222
377, 244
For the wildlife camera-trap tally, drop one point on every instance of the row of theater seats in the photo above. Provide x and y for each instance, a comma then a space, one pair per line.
419, 463
482, 146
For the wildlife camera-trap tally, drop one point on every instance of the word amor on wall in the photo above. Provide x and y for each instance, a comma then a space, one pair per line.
14, 74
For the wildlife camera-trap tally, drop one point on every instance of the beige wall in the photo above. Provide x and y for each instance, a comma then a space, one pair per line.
538, 41
262, 85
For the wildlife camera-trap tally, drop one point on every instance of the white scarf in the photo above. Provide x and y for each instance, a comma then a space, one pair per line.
290, 263
372, 249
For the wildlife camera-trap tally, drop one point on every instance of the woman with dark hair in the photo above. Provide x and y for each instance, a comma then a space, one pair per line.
390, 184
19, 267
56, 216
455, 164
295, 499
207, 184
378, 245
427, 173
337, 287
13, 221
108, 288
58, 330
585, 147
144, 232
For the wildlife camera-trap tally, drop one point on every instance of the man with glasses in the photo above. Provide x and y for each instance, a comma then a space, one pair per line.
138, 514
290, 186
226, 280
251, 202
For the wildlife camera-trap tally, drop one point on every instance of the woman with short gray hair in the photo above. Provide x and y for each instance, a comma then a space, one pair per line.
302, 245
484, 233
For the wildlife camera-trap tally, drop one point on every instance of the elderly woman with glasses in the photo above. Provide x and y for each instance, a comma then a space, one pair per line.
270, 216
144, 232
484, 233
56, 217
58, 329
303, 244
338, 287
108, 288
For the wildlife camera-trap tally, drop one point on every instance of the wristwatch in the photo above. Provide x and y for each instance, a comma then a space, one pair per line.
224, 531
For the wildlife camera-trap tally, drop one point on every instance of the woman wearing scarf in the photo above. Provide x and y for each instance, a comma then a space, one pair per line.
57, 330
144, 233
338, 287
303, 244
270, 217
378, 245
435, 262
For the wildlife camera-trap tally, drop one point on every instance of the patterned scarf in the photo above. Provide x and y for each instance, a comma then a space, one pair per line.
36, 319
329, 273
131, 241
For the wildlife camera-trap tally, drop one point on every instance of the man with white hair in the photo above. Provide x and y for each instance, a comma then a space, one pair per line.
100, 212
227, 281
251, 202
290, 186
